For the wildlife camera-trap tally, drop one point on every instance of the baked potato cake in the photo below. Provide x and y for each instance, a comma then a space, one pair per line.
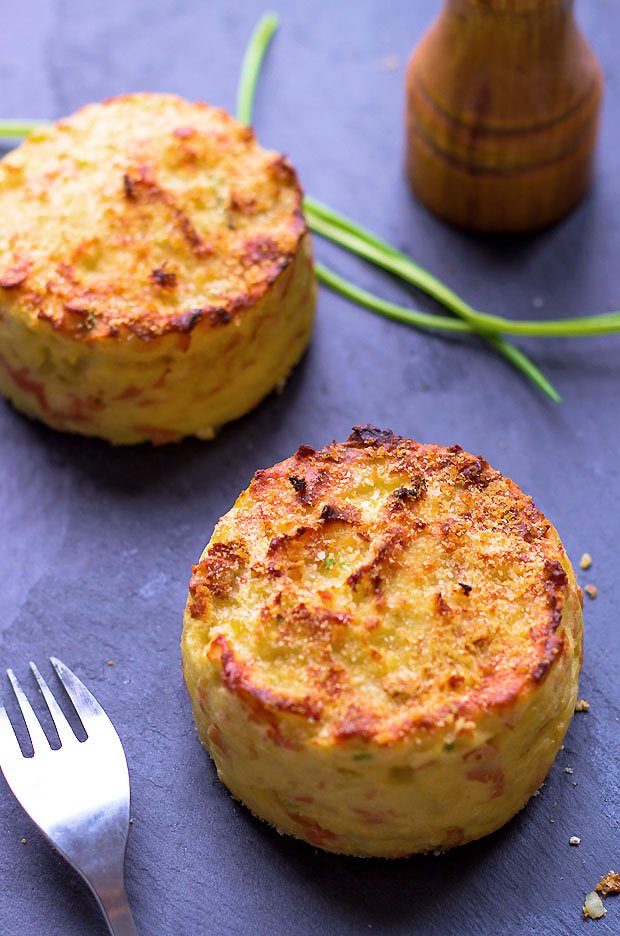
156, 276
382, 644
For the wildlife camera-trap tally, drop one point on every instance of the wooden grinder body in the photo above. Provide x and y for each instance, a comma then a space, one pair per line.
503, 98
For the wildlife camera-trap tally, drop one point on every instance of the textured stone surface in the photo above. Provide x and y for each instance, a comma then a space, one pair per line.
96, 544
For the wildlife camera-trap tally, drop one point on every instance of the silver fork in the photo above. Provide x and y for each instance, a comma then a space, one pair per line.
78, 795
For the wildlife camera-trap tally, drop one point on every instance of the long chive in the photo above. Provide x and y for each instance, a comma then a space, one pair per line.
18, 129
387, 308
371, 247
525, 364
427, 320
353, 237
251, 66
252, 61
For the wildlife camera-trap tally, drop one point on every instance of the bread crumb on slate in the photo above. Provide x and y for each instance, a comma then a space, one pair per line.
610, 884
591, 591
569, 770
25, 842
574, 840
109, 662
389, 63
593, 906
586, 561
582, 705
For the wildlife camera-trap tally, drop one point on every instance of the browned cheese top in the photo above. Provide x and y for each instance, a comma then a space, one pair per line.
141, 216
380, 588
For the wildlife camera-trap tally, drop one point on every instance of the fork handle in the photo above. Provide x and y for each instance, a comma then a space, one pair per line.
115, 908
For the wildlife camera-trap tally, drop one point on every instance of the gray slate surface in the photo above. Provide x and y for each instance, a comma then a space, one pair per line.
96, 544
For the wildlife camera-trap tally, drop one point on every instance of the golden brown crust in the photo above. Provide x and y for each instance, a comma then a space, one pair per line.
143, 216
380, 589
609, 884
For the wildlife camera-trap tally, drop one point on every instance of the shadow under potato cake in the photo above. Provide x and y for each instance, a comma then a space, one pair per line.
413, 892
177, 469
372, 889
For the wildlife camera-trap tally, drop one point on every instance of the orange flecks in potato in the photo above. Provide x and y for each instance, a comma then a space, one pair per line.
390, 616
127, 254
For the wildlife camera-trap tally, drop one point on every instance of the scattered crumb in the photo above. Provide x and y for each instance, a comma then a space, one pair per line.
389, 63
538, 302
25, 842
109, 662
591, 591
593, 906
569, 770
582, 705
610, 884
574, 840
586, 561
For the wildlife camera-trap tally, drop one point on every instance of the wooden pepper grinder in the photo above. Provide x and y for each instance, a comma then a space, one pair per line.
503, 99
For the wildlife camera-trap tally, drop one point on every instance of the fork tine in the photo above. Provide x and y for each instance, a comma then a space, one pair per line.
85, 703
37, 735
9, 745
64, 729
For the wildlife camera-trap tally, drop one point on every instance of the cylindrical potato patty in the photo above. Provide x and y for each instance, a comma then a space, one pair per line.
156, 274
382, 644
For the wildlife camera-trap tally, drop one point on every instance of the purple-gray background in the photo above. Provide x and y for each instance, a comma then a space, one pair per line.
96, 544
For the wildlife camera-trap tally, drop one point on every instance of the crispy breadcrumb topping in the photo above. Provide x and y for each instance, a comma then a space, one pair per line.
334, 589
142, 216
609, 884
